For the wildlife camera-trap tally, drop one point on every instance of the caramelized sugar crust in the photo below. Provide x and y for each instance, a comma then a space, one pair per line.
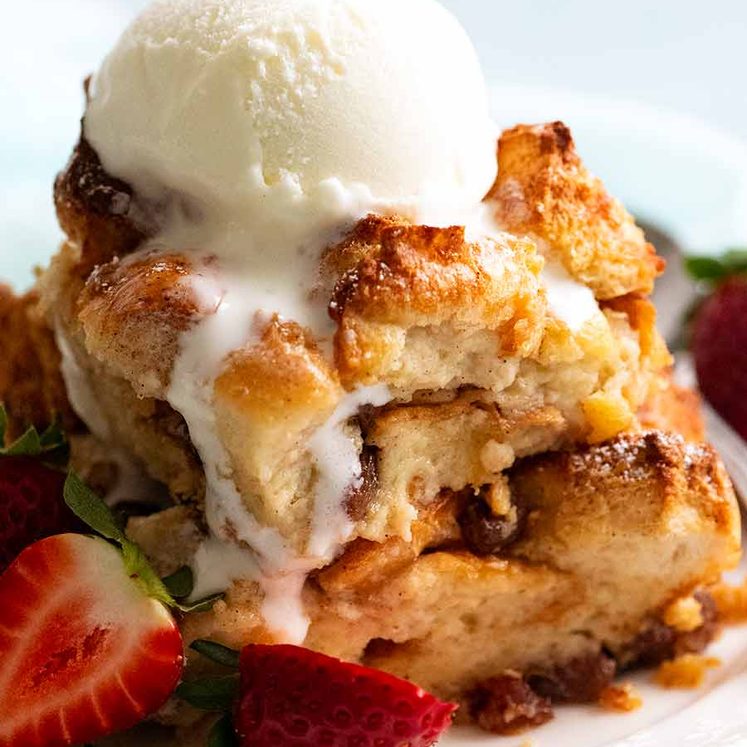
396, 279
544, 190
94, 209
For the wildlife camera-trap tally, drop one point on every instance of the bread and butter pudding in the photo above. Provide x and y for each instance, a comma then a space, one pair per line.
397, 370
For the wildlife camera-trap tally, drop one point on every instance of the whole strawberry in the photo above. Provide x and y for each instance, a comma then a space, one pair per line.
719, 346
295, 697
31, 482
31, 505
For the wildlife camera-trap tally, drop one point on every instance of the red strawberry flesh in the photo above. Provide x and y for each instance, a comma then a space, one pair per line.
84, 652
720, 351
31, 505
295, 697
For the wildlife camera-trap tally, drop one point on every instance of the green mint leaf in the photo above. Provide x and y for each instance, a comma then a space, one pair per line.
142, 572
201, 605
223, 733
218, 653
210, 694
180, 583
91, 510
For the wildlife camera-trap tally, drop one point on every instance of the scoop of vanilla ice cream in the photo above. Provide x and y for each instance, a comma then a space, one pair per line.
249, 106
256, 131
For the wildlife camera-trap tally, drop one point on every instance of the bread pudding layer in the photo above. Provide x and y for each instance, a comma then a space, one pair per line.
453, 352
563, 573
573, 566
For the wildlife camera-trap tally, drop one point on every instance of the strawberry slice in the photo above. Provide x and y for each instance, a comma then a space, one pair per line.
84, 651
295, 697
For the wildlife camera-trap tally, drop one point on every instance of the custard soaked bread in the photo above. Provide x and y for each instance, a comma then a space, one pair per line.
512, 512
458, 325
564, 574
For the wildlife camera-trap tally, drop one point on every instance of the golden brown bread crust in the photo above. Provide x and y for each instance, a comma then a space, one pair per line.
544, 191
268, 400
137, 305
94, 209
410, 276
630, 483
641, 315
31, 385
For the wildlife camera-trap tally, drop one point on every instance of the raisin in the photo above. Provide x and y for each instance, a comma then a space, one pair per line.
508, 705
487, 534
86, 180
358, 498
696, 640
659, 643
581, 680
652, 646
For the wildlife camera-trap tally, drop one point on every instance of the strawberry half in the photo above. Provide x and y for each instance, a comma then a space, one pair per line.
84, 651
295, 697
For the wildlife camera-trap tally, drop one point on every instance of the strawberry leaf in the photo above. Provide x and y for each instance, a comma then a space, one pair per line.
217, 653
201, 605
31, 443
714, 269
180, 583
223, 733
142, 572
89, 508
210, 694
52, 438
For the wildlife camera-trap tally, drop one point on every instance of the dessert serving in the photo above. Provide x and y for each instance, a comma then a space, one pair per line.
377, 387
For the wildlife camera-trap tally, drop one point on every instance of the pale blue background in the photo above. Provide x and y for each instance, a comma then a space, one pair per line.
655, 91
